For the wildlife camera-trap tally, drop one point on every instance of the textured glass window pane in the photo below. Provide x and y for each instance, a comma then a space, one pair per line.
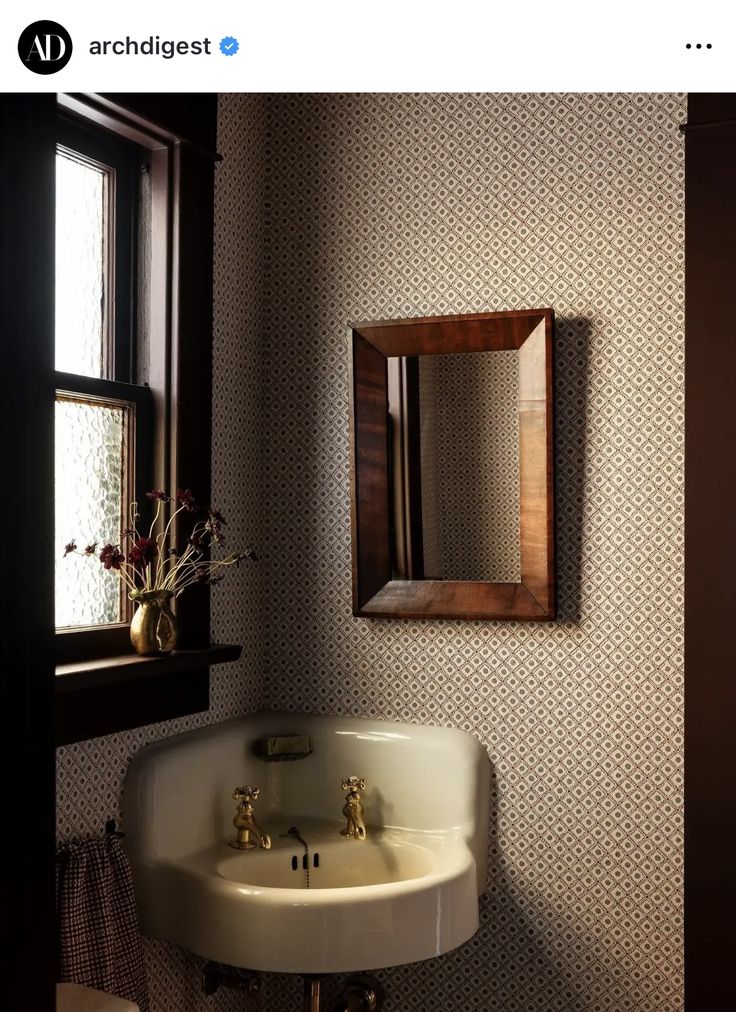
89, 491
80, 260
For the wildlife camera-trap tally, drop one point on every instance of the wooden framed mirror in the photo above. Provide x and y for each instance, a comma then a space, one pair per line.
420, 479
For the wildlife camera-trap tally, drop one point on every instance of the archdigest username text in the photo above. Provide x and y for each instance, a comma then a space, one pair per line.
154, 45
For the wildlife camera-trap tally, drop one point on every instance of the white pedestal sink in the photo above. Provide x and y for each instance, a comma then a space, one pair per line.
408, 892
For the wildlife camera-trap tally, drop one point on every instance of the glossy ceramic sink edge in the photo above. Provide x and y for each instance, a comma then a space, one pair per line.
326, 931
427, 795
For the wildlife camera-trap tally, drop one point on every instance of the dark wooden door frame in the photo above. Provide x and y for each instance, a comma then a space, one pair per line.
28, 125
710, 550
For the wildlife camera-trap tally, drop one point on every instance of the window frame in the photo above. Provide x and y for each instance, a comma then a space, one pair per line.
103, 690
119, 351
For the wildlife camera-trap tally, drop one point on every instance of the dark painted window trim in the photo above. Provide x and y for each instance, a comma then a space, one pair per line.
109, 694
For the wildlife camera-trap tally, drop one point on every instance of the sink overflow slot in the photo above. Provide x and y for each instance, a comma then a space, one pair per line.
305, 862
296, 835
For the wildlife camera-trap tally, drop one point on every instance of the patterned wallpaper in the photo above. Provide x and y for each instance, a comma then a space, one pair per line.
384, 206
469, 444
333, 208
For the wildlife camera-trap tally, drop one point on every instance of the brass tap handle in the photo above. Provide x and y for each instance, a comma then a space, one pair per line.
246, 793
353, 783
353, 809
250, 834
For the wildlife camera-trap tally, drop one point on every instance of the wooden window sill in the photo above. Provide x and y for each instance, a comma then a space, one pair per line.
120, 692
130, 667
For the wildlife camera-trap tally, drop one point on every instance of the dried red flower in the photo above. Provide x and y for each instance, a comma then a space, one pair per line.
143, 551
185, 498
111, 557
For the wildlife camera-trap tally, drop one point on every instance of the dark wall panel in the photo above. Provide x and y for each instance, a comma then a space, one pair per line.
26, 589
710, 548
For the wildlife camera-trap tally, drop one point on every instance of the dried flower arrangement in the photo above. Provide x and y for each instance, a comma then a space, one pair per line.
150, 564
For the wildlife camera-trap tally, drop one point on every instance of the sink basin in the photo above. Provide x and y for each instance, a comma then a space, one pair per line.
378, 861
409, 891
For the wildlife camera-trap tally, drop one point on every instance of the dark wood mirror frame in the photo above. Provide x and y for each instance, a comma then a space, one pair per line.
375, 593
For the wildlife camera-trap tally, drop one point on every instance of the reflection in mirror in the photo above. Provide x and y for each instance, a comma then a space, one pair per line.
455, 466
469, 451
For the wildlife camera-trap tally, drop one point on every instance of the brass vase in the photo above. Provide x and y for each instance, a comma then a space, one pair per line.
153, 629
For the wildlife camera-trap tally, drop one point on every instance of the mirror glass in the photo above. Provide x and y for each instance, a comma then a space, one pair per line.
469, 450
455, 466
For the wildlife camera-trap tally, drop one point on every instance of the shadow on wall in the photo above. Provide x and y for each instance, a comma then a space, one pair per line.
571, 400
175, 981
513, 961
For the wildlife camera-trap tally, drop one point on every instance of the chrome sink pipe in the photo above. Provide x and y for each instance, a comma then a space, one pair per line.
361, 993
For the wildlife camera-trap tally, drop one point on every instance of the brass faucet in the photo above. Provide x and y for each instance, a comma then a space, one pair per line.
246, 824
353, 809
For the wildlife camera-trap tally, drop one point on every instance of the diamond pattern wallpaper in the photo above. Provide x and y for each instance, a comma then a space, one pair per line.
332, 208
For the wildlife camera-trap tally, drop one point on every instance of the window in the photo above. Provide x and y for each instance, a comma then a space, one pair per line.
102, 419
133, 307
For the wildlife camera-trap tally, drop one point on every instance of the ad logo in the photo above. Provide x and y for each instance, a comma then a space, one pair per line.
45, 47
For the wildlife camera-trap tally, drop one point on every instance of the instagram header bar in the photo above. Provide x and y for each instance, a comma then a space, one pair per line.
397, 46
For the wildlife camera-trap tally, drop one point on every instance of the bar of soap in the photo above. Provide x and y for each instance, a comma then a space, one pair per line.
281, 746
